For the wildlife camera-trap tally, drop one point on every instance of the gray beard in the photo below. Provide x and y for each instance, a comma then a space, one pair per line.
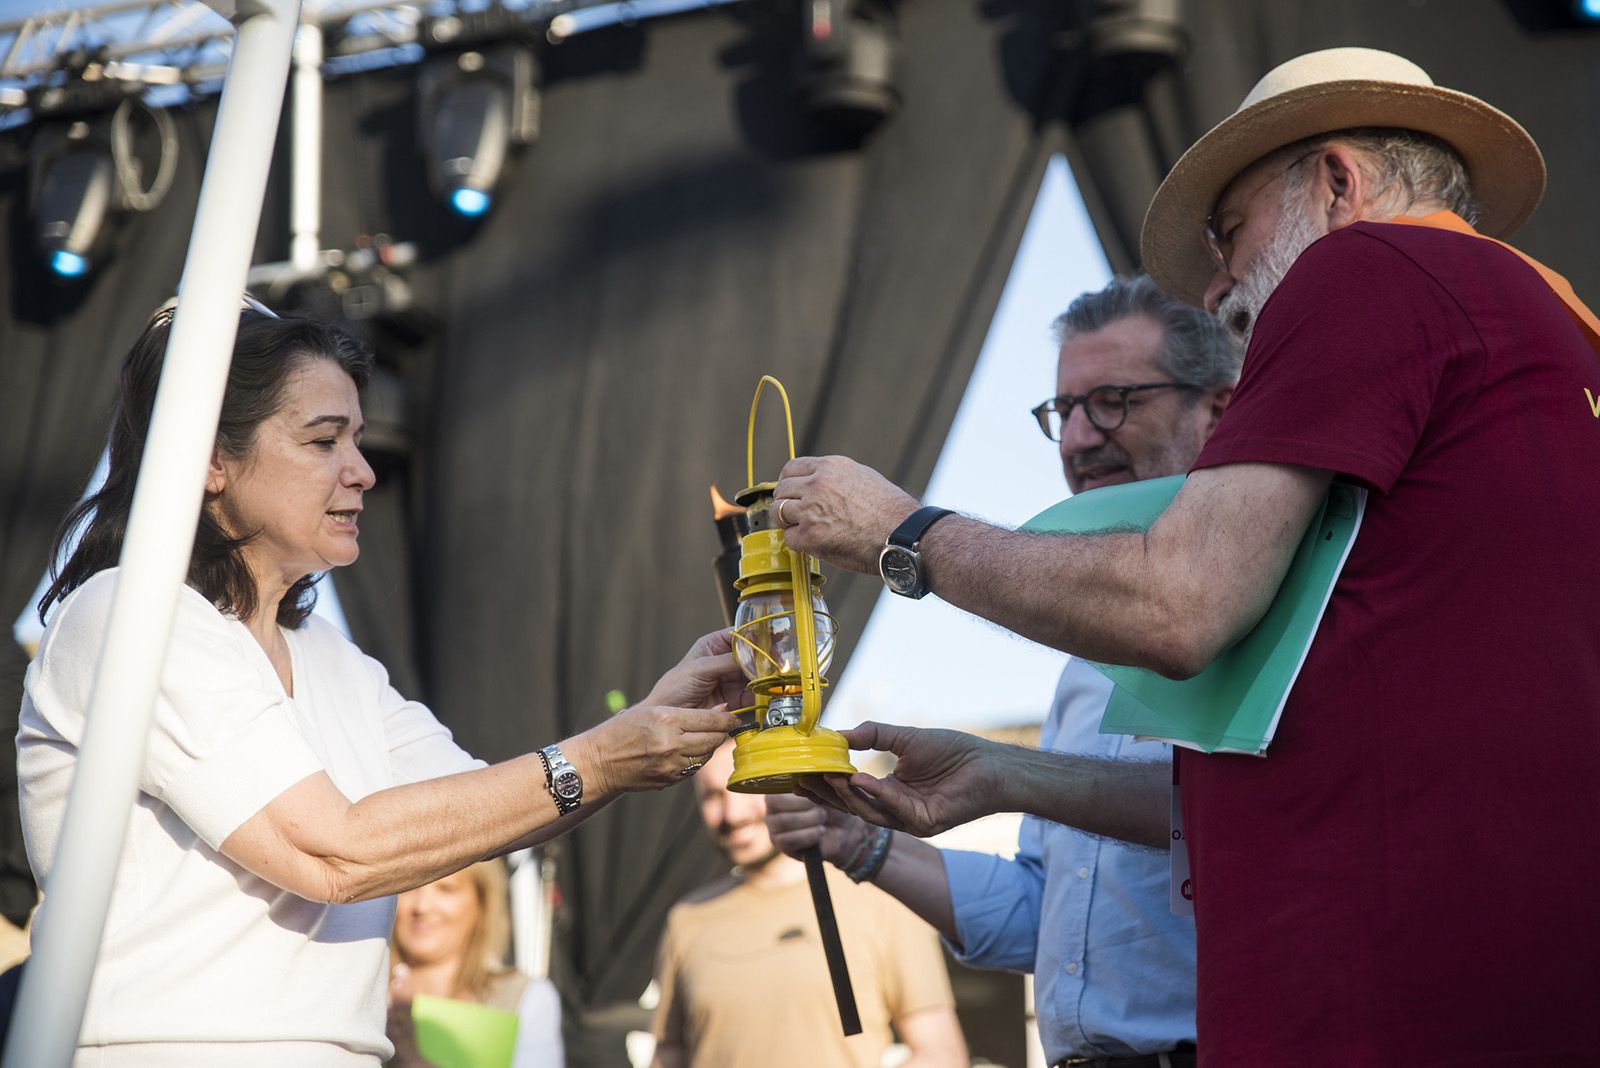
1295, 233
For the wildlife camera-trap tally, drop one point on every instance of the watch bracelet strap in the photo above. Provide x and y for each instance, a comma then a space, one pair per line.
563, 805
869, 867
915, 525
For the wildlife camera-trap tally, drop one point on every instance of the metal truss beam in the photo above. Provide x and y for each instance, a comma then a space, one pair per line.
187, 43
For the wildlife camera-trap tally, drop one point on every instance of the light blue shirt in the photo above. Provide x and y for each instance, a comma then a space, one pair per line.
1090, 917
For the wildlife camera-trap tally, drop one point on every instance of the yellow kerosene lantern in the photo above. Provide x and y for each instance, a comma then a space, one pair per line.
783, 640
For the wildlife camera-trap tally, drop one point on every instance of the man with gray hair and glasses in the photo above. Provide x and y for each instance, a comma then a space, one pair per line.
1142, 380
1408, 876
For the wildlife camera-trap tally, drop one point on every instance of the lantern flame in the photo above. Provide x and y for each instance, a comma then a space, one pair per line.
720, 508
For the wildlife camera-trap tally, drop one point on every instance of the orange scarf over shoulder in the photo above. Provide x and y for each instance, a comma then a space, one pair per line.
1449, 220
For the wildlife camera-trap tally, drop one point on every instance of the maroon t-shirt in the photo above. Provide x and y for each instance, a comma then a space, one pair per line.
1411, 876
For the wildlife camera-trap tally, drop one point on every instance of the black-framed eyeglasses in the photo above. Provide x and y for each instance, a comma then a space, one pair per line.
1106, 407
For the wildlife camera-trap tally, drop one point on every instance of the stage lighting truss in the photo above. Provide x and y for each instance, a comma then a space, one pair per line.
65, 70
181, 47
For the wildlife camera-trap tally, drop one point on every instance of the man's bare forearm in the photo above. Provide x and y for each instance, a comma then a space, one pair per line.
1168, 599
914, 874
1097, 596
1125, 799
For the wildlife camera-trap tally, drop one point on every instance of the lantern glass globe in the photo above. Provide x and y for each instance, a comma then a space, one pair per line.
767, 621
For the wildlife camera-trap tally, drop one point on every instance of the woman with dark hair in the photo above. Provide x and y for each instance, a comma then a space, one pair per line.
288, 791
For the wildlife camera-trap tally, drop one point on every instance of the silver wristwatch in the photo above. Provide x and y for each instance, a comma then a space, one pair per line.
900, 562
562, 780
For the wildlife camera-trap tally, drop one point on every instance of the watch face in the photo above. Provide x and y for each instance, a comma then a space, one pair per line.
569, 785
899, 569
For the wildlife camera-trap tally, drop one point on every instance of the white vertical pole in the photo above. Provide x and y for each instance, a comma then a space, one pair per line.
532, 919
547, 917
49, 1010
523, 890
305, 156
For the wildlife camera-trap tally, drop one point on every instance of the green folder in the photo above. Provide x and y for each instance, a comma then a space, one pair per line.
1232, 706
463, 1034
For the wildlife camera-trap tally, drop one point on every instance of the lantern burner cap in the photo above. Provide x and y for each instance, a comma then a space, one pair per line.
784, 711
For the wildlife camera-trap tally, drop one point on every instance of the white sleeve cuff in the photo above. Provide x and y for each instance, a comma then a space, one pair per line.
217, 794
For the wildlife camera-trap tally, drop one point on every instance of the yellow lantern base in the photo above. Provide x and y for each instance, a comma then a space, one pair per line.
768, 761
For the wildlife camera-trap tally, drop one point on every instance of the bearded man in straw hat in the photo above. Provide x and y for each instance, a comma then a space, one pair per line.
1409, 876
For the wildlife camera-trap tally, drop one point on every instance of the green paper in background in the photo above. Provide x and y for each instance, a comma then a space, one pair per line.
463, 1034
1233, 705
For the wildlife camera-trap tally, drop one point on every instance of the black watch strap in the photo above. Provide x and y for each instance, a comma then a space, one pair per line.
910, 532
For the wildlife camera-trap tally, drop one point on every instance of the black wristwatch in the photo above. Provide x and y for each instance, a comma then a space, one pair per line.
562, 780
900, 562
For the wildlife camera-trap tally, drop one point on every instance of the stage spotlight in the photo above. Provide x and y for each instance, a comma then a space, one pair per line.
1556, 16
477, 104
469, 202
1141, 33
68, 264
93, 146
73, 198
846, 65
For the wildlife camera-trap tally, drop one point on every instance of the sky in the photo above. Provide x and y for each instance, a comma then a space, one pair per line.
927, 663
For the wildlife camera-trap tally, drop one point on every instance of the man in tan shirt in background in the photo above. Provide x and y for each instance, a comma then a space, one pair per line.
741, 971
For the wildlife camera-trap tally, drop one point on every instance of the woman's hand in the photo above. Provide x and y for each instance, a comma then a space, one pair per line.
707, 676
647, 747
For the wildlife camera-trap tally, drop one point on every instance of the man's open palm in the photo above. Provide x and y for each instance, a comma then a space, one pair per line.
941, 780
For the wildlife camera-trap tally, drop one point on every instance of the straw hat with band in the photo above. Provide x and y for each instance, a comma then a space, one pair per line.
1320, 93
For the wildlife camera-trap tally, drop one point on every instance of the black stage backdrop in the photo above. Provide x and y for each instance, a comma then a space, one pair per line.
543, 536
1546, 79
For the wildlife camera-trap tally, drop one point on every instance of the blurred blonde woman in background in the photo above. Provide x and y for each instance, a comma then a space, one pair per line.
451, 939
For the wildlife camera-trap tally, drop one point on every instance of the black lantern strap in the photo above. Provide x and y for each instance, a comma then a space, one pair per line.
832, 947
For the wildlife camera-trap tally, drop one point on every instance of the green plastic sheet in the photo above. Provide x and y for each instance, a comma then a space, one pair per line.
463, 1034
1233, 705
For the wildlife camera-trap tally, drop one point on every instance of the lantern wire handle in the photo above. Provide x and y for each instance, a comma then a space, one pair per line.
750, 435
805, 624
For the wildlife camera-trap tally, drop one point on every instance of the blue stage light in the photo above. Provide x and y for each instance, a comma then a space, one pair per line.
469, 202
68, 264
1587, 10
